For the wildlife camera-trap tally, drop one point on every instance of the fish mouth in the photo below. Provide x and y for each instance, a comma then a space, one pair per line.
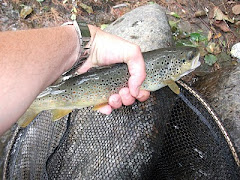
195, 63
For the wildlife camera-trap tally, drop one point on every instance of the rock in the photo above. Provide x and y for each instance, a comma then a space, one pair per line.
146, 26
222, 90
235, 51
236, 9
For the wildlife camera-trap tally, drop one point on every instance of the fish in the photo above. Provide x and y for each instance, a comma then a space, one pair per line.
163, 67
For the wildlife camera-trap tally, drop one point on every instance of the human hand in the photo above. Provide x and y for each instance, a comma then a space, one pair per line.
109, 49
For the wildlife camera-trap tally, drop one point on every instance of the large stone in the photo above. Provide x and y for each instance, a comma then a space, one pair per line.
146, 26
222, 90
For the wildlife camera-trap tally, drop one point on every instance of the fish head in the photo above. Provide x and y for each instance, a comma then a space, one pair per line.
187, 61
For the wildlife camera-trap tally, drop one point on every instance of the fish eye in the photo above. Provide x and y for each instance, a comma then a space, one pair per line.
190, 55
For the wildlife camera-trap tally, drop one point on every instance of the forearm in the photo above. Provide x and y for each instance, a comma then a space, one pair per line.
29, 62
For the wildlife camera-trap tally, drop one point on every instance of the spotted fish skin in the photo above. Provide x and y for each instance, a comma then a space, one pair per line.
96, 86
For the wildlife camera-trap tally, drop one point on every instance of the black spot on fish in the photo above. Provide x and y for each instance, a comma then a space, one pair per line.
135, 23
134, 37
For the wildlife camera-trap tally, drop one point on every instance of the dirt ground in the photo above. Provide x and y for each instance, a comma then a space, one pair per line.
216, 22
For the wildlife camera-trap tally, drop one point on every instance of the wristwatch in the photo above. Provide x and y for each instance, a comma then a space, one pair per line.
85, 33
84, 36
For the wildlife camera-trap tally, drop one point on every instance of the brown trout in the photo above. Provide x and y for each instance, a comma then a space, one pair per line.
163, 67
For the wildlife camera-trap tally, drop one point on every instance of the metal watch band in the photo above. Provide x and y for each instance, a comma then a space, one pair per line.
83, 33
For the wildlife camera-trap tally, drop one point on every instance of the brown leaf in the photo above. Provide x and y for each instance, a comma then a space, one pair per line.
210, 33
217, 36
223, 26
218, 15
213, 48
236, 9
200, 13
86, 8
26, 10
237, 23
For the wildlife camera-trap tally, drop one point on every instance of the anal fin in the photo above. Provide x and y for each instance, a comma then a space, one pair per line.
98, 106
59, 113
27, 117
173, 86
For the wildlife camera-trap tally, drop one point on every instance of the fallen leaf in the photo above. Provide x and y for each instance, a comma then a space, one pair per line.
237, 23
200, 13
73, 17
40, 1
103, 26
210, 59
74, 10
223, 26
217, 36
86, 8
197, 37
173, 25
26, 10
210, 33
213, 48
174, 15
216, 67
202, 51
236, 9
218, 15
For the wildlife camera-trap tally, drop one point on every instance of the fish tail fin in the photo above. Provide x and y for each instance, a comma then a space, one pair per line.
27, 117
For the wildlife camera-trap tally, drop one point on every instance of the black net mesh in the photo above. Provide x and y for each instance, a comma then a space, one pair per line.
166, 137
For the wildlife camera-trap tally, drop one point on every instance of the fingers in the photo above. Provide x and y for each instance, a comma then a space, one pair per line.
136, 67
115, 101
124, 97
143, 95
106, 109
127, 98
85, 67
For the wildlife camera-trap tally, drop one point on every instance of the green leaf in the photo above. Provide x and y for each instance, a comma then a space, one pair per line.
86, 8
173, 24
185, 43
74, 10
103, 26
210, 59
174, 15
151, 2
197, 37
73, 17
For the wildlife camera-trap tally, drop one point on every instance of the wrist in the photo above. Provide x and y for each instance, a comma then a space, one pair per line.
85, 35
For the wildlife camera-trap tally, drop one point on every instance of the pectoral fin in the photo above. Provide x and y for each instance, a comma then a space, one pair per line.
27, 117
97, 107
173, 86
59, 113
